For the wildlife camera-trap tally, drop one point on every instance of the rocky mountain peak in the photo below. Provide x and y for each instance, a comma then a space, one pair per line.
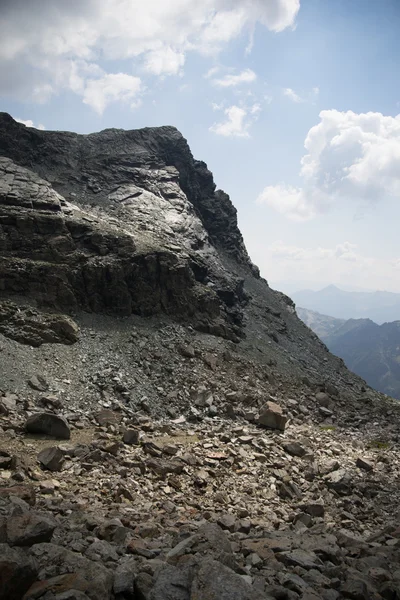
169, 428
88, 167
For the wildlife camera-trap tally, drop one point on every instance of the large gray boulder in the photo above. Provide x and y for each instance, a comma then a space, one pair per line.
48, 424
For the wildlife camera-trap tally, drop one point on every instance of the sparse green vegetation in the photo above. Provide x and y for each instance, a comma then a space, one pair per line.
378, 445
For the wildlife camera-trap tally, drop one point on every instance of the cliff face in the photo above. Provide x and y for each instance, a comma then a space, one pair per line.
132, 228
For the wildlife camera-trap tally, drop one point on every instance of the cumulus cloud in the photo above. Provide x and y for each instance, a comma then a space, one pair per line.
99, 93
29, 123
230, 80
48, 37
349, 157
237, 122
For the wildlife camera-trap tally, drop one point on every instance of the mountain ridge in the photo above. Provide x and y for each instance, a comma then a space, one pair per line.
379, 306
370, 350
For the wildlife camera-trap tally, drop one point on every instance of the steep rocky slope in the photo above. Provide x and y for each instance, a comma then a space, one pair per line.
215, 448
370, 350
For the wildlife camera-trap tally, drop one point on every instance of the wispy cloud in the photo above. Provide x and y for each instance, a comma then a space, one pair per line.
229, 80
291, 94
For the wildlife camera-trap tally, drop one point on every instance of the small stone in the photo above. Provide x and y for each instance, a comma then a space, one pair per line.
314, 509
131, 437
187, 351
38, 382
323, 399
294, 449
7, 461
51, 458
227, 521
325, 412
364, 464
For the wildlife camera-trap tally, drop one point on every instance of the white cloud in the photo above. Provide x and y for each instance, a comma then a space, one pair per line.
246, 76
238, 121
295, 97
286, 200
291, 94
350, 158
211, 72
235, 125
29, 123
216, 106
164, 61
42, 39
113, 87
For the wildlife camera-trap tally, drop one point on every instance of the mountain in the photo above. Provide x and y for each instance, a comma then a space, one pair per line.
380, 307
322, 325
370, 350
169, 427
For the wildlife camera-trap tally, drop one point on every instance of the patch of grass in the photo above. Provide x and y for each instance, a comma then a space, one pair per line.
328, 427
378, 445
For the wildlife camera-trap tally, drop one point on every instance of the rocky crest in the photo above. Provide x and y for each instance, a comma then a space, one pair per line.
169, 428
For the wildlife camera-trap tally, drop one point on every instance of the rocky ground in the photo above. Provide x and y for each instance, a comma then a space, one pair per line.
166, 477
169, 428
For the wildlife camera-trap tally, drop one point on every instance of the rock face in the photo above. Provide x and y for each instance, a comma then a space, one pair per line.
147, 245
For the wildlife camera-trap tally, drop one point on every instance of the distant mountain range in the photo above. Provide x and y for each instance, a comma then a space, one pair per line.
370, 350
380, 307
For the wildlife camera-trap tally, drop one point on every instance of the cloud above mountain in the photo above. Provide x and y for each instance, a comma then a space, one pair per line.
53, 45
350, 158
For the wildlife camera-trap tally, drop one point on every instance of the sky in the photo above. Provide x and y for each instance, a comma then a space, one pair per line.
293, 104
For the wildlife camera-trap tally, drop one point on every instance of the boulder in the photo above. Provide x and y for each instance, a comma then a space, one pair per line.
294, 449
131, 437
89, 577
17, 572
48, 424
28, 529
271, 416
215, 581
51, 458
24, 492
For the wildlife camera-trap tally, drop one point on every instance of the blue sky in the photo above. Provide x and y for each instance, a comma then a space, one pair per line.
249, 83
